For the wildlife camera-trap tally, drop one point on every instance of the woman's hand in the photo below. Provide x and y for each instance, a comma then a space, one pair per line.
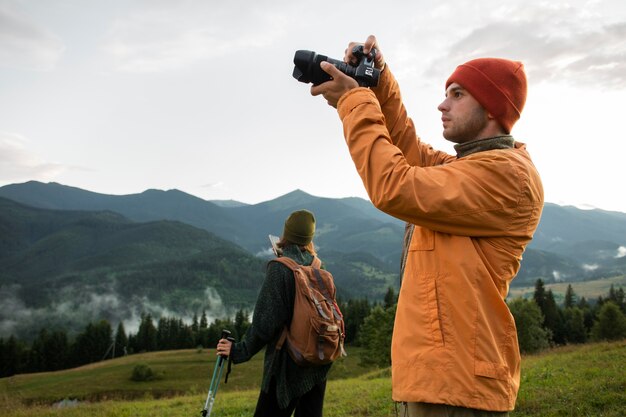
223, 347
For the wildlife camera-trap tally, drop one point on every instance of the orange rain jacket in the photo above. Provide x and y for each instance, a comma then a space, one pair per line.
454, 339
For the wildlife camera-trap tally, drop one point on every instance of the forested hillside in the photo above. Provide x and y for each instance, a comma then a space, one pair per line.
70, 255
70, 267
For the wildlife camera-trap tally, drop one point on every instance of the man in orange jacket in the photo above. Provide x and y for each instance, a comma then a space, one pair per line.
469, 218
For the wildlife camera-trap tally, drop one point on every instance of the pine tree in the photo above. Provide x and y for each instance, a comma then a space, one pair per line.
121, 341
354, 313
553, 320
617, 297
621, 299
540, 294
588, 313
133, 344
215, 330
204, 323
531, 334
92, 344
56, 350
185, 337
194, 324
146, 335
570, 297
3, 357
163, 339
36, 359
574, 323
242, 322
13, 357
375, 336
611, 323
390, 298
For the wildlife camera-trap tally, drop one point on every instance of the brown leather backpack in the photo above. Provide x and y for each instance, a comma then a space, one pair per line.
316, 333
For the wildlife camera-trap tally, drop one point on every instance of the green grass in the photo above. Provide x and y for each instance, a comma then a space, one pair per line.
591, 290
583, 380
179, 372
586, 380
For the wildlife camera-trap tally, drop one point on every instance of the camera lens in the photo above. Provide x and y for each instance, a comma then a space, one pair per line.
307, 69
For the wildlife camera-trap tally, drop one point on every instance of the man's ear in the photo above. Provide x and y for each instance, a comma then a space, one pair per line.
495, 124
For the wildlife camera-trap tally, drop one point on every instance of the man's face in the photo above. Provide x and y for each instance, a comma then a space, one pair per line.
464, 119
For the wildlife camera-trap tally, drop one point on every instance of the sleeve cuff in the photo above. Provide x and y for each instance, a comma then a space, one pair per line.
237, 354
355, 98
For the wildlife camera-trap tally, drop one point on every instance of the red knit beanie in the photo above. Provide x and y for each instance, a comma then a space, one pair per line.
499, 85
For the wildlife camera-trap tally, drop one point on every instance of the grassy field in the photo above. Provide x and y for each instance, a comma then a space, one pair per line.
591, 290
179, 373
585, 380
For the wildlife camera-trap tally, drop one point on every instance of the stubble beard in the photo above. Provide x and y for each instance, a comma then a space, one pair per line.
468, 129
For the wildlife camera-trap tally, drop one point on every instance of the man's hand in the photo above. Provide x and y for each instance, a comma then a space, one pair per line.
370, 43
333, 90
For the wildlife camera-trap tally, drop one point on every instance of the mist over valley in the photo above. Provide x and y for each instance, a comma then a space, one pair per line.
70, 256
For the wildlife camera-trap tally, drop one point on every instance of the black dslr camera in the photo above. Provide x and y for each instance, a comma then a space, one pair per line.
307, 67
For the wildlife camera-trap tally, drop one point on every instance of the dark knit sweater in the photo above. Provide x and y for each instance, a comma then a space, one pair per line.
486, 144
273, 310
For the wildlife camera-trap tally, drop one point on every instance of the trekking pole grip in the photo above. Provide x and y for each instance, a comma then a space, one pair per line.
226, 334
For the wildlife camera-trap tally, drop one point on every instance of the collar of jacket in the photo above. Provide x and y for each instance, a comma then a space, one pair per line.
487, 144
294, 252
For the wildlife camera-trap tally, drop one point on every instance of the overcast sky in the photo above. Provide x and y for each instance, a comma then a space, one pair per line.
120, 96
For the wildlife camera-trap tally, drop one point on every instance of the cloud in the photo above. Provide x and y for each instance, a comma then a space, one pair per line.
211, 303
13, 312
75, 306
25, 45
621, 252
215, 303
265, 253
18, 163
214, 185
554, 42
166, 37
74, 309
590, 267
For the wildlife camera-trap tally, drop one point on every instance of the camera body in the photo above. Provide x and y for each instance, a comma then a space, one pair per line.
307, 67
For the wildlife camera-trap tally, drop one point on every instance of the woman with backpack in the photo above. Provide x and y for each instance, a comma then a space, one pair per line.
286, 387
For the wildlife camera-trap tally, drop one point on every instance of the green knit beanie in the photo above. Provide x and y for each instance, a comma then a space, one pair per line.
299, 227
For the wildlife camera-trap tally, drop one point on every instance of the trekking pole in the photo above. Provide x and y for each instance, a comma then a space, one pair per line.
215, 382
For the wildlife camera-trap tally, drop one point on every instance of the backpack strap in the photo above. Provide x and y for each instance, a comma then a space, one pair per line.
315, 265
325, 292
288, 262
320, 283
282, 338
292, 265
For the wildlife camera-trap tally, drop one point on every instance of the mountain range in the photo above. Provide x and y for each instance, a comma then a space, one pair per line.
68, 255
